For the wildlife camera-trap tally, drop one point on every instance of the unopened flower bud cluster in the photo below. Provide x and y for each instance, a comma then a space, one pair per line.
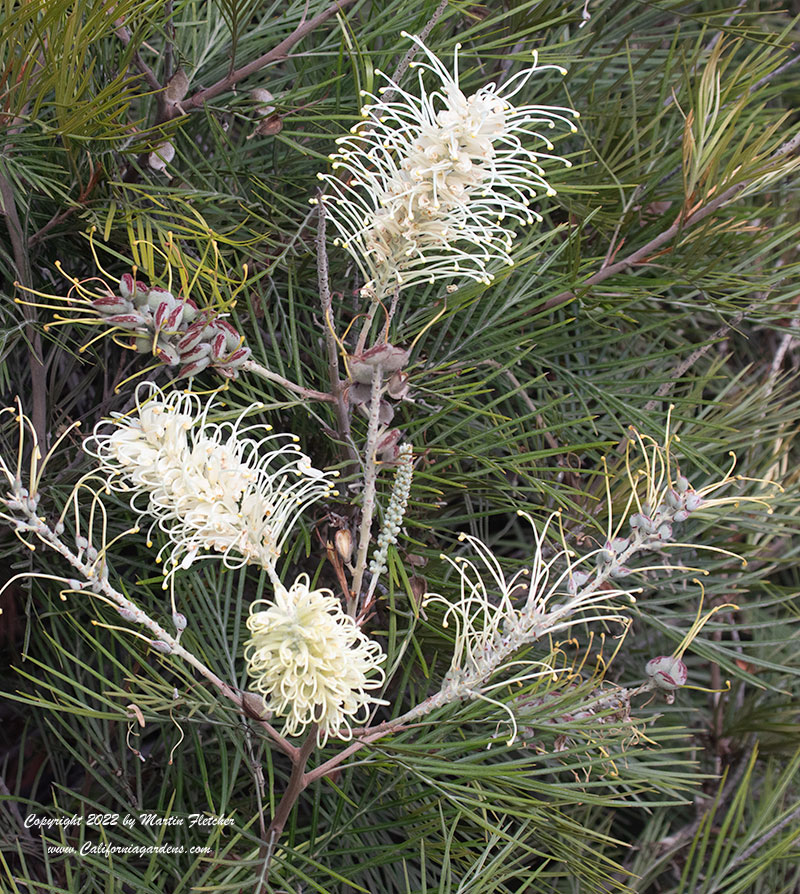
396, 509
651, 527
173, 329
20, 500
19, 507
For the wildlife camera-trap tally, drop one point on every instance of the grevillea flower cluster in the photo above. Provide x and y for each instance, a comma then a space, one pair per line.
663, 498
173, 329
208, 485
311, 662
152, 320
225, 487
431, 183
496, 614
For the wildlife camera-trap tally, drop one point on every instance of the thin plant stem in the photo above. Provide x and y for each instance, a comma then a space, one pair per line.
124, 34
367, 324
256, 369
51, 539
641, 255
370, 478
198, 100
767, 836
338, 388
409, 56
297, 783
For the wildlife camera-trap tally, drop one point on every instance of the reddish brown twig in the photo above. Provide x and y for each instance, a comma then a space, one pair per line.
197, 100
682, 222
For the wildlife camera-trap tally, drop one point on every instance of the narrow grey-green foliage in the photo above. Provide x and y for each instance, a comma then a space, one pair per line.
516, 392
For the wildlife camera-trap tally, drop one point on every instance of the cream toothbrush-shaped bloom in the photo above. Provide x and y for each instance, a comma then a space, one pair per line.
433, 178
311, 662
208, 486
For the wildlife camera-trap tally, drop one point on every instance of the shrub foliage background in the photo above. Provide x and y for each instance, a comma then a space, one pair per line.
664, 271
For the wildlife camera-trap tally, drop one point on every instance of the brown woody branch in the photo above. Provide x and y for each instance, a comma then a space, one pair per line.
197, 100
683, 222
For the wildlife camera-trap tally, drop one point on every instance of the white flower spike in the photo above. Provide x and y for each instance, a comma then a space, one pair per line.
495, 615
311, 662
208, 486
433, 178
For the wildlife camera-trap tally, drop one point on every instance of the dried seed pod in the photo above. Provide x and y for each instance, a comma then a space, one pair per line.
264, 98
359, 394
161, 156
344, 544
385, 411
271, 122
397, 387
387, 445
268, 127
388, 357
419, 589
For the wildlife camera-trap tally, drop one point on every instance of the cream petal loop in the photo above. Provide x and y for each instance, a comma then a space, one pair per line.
311, 662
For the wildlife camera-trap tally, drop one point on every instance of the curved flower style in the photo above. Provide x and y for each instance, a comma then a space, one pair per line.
207, 485
663, 497
430, 178
150, 319
311, 662
496, 615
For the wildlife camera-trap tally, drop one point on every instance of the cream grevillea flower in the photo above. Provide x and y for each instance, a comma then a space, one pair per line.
311, 662
494, 614
433, 179
224, 486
